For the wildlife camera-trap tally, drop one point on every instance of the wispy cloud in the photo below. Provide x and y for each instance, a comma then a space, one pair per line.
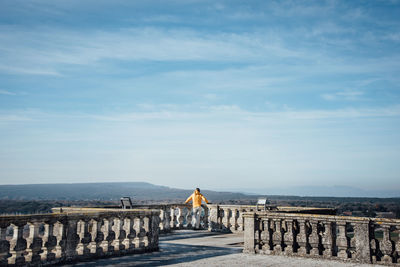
28, 70
346, 95
5, 92
212, 113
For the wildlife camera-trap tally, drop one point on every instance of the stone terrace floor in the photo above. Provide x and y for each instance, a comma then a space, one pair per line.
203, 248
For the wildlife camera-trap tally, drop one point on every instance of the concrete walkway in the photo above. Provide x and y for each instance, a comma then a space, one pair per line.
202, 248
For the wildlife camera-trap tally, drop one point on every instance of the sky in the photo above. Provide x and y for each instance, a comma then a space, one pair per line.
211, 94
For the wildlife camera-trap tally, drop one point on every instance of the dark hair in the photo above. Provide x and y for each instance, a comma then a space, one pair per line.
198, 189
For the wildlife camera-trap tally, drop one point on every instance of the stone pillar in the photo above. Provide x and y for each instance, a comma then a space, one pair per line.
72, 239
153, 233
362, 240
249, 240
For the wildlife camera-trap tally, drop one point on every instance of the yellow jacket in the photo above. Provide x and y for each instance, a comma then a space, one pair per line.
196, 197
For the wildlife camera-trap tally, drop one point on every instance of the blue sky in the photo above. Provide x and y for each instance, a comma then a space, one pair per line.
216, 94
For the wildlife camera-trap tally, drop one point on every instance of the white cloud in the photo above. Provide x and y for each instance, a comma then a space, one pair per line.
28, 70
345, 95
5, 92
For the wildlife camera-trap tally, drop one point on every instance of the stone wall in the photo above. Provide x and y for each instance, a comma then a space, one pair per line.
72, 236
362, 240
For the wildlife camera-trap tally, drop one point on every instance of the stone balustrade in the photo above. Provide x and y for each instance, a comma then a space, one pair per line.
172, 216
362, 240
71, 236
229, 218
179, 216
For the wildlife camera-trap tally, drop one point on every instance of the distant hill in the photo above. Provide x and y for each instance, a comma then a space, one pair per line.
107, 191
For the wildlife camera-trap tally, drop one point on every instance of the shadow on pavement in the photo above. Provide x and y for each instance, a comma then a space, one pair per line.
169, 254
176, 235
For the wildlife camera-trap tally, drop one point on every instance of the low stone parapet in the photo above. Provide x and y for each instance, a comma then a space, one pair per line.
229, 218
362, 240
76, 235
172, 216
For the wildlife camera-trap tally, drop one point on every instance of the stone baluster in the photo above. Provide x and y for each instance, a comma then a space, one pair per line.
234, 218
266, 237
167, 219
240, 221
351, 240
48, 228
129, 234
137, 226
226, 219
58, 232
277, 236
4, 244
342, 241
313, 239
213, 218
173, 218
146, 228
116, 228
386, 245
289, 237
302, 238
81, 231
162, 219
189, 218
17, 245
105, 230
180, 218
204, 218
33, 243
93, 245
374, 244
328, 236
